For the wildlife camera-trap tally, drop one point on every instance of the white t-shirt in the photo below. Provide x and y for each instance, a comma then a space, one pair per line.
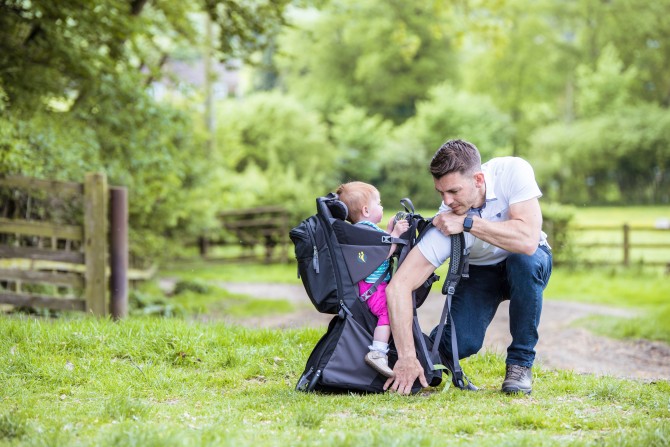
508, 180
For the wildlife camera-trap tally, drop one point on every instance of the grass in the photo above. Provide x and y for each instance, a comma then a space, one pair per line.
657, 249
647, 292
642, 289
148, 381
198, 269
195, 298
652, 326
633, 215
618, 287
170, 382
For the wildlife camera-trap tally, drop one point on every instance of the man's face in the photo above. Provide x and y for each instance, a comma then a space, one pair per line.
460, 192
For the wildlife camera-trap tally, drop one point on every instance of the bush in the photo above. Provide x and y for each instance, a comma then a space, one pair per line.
556, 220
274, 151
195, 286
447, 114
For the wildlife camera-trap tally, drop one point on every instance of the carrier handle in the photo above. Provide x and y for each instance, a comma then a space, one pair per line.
407, 203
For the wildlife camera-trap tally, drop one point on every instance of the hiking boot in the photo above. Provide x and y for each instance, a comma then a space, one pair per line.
379, 362
518, 379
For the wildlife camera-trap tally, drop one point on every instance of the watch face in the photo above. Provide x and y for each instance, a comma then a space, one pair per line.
467, 224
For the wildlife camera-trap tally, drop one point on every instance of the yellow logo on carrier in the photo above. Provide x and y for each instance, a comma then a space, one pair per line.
361, 257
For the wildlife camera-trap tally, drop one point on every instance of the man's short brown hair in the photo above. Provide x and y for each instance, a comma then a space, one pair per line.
455, 156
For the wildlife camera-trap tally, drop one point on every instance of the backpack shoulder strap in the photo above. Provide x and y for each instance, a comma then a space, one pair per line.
457, 269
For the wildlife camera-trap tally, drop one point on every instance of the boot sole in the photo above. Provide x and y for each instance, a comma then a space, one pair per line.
513, 390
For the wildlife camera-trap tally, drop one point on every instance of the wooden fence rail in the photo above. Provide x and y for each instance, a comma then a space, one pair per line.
39, 257
265, 227
625, 243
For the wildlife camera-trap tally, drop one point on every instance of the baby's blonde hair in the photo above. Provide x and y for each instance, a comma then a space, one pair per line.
356, 195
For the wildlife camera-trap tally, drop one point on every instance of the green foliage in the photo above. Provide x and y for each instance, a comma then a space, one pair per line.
556, 220
652, 326
521, 61
245, 27
446, 114
636, 29
276, 151
608, 87
73, 91
620, 157
196, 286
12, 425
360, 142
143, 303
377, 56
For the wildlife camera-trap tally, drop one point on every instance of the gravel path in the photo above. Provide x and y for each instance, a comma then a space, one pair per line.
560, 347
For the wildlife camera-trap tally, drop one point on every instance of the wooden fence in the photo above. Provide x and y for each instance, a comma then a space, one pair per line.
263, 227
622, 244
49, 261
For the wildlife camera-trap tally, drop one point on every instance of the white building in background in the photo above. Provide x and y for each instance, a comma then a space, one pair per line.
186, 77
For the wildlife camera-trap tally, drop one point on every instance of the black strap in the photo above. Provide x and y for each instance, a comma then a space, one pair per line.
368, 293
393, 240
459, 259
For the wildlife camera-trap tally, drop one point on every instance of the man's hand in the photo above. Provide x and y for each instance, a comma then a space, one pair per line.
406, 372
449, 223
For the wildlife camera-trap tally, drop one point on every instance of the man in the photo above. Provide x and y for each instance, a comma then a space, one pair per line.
496, 205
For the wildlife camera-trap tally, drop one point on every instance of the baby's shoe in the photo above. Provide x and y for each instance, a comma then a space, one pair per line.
379, 361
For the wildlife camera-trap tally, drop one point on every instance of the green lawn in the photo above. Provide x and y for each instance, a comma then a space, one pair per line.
633, 215
646, 290
198, 269
169, 382
149, 381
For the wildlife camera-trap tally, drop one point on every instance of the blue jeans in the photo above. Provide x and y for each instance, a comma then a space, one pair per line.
520, 279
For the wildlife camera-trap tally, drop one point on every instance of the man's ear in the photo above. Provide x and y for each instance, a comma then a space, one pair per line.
479, 179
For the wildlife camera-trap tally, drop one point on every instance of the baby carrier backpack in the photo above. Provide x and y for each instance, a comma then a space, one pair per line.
333, 256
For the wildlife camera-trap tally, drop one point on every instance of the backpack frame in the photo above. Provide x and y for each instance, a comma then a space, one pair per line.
328, 251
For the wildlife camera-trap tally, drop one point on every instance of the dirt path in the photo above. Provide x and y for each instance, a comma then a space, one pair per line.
560, 347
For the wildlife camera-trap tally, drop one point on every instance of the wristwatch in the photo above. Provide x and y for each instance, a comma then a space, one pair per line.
467, 224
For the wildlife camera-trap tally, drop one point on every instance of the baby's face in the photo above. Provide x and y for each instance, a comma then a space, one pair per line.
375, 208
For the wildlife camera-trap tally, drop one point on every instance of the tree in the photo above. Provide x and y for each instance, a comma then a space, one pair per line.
360, 141
523, 62
378, 56
275, 150
621, 157
447, 114
638, 30
607, 87
74, 97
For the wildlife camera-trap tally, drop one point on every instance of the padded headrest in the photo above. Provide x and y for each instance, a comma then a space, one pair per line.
331, 207
338, 209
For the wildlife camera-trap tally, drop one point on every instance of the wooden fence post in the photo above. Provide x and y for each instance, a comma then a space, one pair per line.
118, 252
626, 245
95, 246
284, 238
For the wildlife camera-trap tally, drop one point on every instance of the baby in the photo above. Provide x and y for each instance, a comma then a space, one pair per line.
365, 208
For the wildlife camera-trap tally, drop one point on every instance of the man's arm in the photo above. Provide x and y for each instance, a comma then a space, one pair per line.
414, 270
519, 234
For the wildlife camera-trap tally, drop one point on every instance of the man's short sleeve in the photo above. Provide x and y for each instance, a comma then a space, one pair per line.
520, 181
435, 247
